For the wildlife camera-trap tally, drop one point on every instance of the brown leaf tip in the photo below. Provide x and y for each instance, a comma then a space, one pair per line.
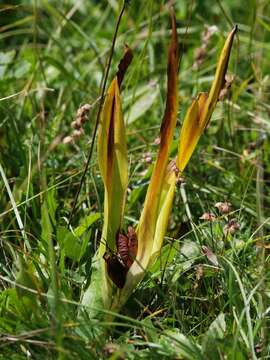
173, 51
172, 74
124, 64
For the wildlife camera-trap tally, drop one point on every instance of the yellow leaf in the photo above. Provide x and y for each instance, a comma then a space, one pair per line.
113, 163
219, 79
148, 219
201, 109
166, 202
191, 131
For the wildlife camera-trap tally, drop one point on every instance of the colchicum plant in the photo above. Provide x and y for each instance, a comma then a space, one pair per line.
123, 258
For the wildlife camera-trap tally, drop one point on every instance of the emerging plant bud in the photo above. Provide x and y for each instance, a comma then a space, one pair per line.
232, 226
223, 207
112, 348
207, 216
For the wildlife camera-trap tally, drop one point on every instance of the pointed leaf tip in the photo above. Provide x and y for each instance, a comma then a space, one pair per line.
169, 118
124, 64
201, 109
149, 217
219, 79
112, 157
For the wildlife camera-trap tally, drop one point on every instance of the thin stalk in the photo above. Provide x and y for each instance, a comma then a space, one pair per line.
260, 8
102, 93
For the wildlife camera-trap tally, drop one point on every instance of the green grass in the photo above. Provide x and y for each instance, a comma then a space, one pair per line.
207, 296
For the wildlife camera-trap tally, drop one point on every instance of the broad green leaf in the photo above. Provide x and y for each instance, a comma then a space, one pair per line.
71, 245
48, 212
139, 191
46, 225
27, 280
113, 164
94, 298
58, 66
52, 204
166, 256
190, 251
218, 327
213, 337
85, 223
180, 345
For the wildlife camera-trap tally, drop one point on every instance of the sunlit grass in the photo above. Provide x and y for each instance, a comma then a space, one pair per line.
207, 296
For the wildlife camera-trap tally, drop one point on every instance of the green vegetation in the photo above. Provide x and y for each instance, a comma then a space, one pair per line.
207, 294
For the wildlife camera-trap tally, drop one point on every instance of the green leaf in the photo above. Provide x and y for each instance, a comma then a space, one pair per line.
217, 329
71, 245
189, 253
181, 346
142, 103
5, 59
58, 65
52, 204
165, 258
85, 223
95, 297
214, 335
